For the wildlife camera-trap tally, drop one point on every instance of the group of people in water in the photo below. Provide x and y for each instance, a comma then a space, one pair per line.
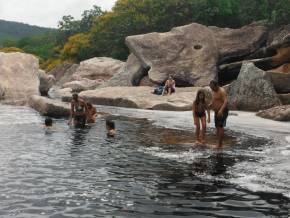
83, 113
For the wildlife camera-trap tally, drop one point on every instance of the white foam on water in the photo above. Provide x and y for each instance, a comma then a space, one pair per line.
182, 157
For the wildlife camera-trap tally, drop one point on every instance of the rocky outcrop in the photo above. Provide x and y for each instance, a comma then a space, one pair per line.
57, 93
18, 77
278, 35
285, 98
280, 113
83, 85
46, 82
281, 81
63, 73
98, 68
130, 74
49, 107
253, 90
191, 53
142, 98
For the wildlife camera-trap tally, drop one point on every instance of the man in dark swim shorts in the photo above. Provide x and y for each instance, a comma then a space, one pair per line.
222, 120
220, 106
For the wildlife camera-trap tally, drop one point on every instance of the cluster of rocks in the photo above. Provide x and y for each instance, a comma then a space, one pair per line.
254, 61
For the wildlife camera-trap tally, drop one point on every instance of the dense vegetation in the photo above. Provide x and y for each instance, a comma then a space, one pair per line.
101, 33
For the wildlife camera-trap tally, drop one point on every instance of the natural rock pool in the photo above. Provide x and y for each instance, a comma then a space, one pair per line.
150, 169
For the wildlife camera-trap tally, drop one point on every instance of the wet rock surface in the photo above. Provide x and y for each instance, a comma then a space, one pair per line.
49, 107
280, 113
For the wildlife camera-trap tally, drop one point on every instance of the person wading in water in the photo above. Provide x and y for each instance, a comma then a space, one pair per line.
219, 105
78, 112
199, 109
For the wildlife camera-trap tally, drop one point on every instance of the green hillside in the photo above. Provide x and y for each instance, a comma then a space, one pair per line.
14, 30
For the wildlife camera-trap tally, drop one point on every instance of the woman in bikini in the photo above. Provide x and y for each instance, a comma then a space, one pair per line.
78, 112
199, 109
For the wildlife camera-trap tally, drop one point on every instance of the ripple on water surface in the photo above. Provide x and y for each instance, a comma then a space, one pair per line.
146, 171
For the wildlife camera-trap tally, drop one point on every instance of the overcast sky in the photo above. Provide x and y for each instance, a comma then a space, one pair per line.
47, 13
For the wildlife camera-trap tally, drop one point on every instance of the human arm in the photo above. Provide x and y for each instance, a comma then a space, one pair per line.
164, 88
71, 113
224, 97
208, 115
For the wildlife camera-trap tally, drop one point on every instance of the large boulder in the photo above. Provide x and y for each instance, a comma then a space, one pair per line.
49, 107
278, 34
18, 77
129, 75
280, 113
83, 85
46, 82
280, 80
285, 98
98, 68
142, 98
253, 90
57, 93
191, 53
63, 73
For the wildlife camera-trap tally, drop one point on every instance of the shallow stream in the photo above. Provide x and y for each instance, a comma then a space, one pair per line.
151, 168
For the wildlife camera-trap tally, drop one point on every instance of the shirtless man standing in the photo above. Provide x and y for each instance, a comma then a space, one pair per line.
79, 110
169, 86
219, 105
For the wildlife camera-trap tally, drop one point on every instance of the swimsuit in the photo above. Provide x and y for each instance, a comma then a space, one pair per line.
221, 121
167, 89
80, 119
200, 111
200, 114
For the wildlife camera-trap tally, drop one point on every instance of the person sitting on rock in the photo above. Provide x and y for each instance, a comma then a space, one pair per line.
91, 114
199, 109
111, 131
169, 87
79, 111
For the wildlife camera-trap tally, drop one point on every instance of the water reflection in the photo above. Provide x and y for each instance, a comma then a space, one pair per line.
78, 139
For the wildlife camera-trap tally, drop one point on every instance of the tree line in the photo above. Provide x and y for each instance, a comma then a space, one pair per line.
102, 33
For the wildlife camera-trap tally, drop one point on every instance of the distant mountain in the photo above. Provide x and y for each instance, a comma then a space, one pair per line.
16, 30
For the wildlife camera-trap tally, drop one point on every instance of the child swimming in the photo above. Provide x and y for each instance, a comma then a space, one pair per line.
199, 109
48, 123
111, 131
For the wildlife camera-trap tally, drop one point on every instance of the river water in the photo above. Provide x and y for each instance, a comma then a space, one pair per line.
151, 168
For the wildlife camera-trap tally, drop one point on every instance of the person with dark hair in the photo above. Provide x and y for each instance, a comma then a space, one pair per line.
219, 105
48, 123
199, 109
91, 114
169, 87
78, 112
111, 131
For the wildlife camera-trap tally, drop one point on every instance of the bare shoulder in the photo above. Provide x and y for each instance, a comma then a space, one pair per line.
223, 91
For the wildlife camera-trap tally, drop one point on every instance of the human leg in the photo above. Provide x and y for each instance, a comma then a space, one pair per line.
197, 129
203, 129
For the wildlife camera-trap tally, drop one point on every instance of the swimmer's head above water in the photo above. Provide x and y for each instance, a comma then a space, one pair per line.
48, 122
